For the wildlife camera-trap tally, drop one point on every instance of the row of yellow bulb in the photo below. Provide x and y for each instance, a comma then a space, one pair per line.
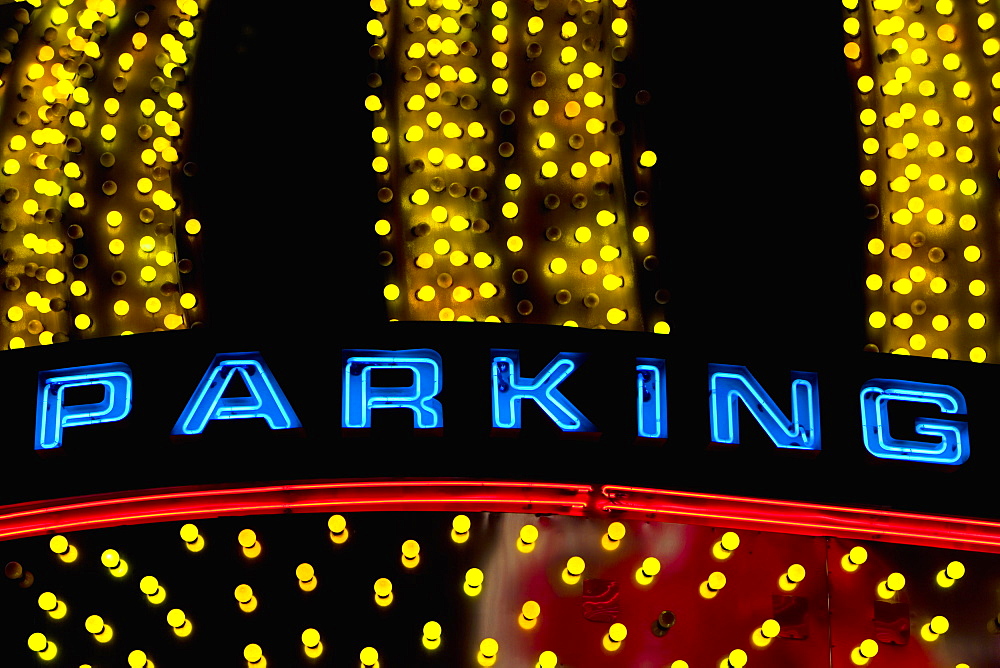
510, 209
66, 93
946, 174
498, 8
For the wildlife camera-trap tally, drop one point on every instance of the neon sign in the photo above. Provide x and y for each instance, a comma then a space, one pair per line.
509, 389
53, 414
733, 392
952, 445
729, 385
266, 399
361, 396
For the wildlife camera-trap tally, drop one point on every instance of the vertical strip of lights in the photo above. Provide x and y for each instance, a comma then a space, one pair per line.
928, 86
506, 191
96, 239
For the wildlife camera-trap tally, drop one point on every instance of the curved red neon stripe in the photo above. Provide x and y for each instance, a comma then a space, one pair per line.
807, 519
36, 518
42, 517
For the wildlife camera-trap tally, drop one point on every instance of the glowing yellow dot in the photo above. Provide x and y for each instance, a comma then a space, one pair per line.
549, 169
940, 323
116, 246
977, 320
515, 244
868, 177
918, 342
641, 234
612, 282
938, 285
977, 288
877, 319
903, 320
616, 316
972, 253
976, 354
589, 267
899, 184
442, 246
121, 307
647, 159
426, 293
873, 282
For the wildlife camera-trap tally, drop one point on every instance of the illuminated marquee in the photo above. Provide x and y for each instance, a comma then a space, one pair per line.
730, 387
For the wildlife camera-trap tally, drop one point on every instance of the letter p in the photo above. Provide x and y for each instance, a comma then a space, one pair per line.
53, 414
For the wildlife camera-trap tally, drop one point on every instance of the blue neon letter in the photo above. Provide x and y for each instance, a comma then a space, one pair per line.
266, 400
651, 400
730, 385
51, 413
360, 397
952, 445
509, 388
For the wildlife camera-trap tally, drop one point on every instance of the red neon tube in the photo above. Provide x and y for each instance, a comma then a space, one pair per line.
119, 509
805, 519
41, 517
